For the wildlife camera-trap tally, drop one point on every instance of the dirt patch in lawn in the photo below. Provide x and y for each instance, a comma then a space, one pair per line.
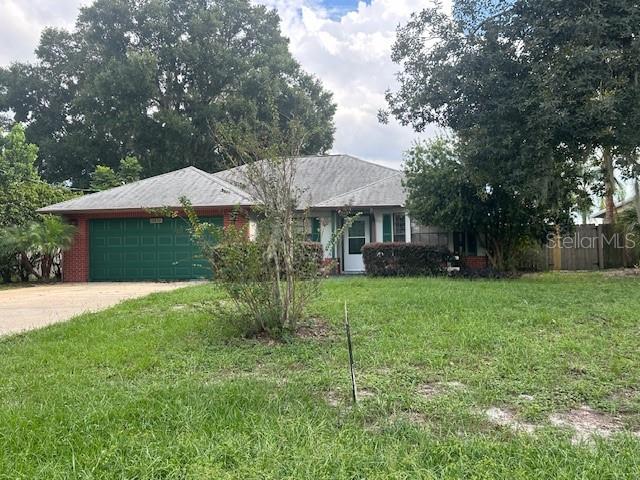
435, 389
315, 328
507, 418
622, 272
586, 424
335, 398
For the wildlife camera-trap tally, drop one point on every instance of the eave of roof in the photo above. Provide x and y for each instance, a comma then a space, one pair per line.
200, 188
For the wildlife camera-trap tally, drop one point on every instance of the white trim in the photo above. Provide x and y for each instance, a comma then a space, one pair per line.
407, 228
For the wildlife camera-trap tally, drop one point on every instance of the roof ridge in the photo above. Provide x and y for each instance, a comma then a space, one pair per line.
371, 163
224, 184
368, 185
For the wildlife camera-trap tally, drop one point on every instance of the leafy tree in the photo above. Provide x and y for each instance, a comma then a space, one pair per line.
446, 189
156, 79
273, 277
535, 89
104, 177
130, 169
22, 191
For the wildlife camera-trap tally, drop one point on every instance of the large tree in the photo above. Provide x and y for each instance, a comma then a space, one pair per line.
535, 90
516, 176
155, 79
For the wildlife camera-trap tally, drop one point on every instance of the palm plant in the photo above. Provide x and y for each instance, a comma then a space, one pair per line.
38, 244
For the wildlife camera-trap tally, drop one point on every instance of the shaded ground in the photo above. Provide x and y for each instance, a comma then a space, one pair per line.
37, 306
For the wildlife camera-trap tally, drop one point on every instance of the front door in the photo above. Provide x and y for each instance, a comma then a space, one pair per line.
354, 239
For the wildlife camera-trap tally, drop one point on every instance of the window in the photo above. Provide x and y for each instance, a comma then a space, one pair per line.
399, 227
357, 237
394, 227
465, 243
315, 229
387, 235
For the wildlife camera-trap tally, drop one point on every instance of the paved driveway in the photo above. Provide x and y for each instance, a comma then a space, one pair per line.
26, 308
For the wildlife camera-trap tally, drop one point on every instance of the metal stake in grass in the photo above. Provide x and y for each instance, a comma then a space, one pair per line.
354, 390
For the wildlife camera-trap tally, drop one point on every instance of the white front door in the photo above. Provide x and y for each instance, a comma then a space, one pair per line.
354, 239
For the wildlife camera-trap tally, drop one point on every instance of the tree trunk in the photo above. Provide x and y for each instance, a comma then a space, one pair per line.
609, 186
636, 199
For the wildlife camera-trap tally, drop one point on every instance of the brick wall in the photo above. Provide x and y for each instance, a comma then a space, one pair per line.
75, 261
475, 262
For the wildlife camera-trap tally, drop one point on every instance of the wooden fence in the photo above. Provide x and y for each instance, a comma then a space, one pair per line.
592, 247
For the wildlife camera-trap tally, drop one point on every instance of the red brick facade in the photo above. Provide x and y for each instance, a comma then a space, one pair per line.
75, 261
475, 262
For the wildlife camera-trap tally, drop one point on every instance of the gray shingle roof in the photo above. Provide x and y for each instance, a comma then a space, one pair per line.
387, 192
201, 188
320, 178
325, 181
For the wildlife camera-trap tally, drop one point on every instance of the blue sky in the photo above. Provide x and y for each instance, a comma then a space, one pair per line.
338, 8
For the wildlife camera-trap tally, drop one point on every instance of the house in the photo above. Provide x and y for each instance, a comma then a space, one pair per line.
620, 207
119, 237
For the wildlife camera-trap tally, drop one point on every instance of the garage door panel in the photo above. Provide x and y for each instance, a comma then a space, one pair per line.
136, 249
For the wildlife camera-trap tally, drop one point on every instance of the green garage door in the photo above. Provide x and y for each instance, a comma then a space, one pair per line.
144, 249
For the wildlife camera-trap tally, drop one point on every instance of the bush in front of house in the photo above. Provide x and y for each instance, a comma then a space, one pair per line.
404, 259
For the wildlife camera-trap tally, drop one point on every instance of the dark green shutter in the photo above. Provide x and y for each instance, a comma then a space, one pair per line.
315, 229
387, 234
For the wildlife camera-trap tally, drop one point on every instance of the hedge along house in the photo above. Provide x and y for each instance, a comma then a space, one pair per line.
120, 239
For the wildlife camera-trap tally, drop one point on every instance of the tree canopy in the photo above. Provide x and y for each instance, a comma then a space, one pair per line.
155, 79
22, 191
104, 177
533, 90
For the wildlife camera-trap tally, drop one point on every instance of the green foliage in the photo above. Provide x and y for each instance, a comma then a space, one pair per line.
446, 189
22, 191
247, 272
130, 169
104, 177
533, 90
156, 80
394, 259
34, 249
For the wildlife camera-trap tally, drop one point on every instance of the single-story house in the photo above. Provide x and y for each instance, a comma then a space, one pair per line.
120, 238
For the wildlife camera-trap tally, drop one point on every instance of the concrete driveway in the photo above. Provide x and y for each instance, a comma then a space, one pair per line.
26, 308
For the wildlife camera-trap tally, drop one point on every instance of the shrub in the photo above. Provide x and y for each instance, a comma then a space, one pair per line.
33, 250
246, 269
404, 259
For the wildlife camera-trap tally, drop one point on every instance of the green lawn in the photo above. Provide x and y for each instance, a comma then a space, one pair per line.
162, 388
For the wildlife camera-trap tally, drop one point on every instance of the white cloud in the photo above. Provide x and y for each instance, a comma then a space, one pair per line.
349, 52
351, 55
22, 22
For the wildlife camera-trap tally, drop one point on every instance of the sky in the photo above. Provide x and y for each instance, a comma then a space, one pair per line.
345, 43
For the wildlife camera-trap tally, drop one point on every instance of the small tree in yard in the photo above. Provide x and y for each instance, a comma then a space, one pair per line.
22, 192
272, 277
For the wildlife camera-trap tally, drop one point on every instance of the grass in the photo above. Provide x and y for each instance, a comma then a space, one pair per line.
162, 388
